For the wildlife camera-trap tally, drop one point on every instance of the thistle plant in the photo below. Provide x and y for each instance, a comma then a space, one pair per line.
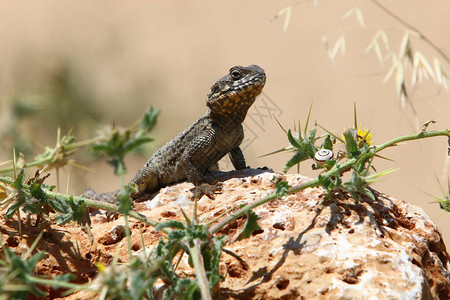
351, 153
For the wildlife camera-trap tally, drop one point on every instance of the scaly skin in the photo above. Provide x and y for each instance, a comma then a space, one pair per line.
197, 149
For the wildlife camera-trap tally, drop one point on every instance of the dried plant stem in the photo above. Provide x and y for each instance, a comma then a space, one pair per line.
202, 279
411, 27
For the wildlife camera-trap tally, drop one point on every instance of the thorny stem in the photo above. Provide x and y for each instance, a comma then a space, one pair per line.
336, 169
242, 211
90, 203
197, 260
29, 165
411, 27
46, 160
121, 171
60, 284
420, 135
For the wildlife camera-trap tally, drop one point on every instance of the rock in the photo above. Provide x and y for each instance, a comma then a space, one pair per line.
383, 249
115, 235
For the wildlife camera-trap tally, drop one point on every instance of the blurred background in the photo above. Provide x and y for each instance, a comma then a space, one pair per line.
82, 65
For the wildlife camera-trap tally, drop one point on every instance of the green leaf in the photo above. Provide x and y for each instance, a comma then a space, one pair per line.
351, 142
294, 141
297, 158
171, 224
312, 134
78, 207
281, 188
137, 285
17, 184
198, 231
188, 289
136, 142
356, 181
369, 194
125, 203
34, 207
71, 210
325, 181
60, 205
329, 183
37, 192
148, 121
310, 149
118, 166
327, 143
355, 196
31, 263
24, 270
250, 225
13, 208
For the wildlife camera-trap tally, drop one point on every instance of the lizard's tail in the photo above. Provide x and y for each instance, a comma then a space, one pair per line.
109, 197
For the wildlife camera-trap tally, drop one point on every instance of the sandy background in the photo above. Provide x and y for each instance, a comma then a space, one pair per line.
126, 56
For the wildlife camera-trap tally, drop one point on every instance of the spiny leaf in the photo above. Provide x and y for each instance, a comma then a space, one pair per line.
19, 180
297, 158
171, 224
136, 142
13, 208
351, 142
369, 194
327, 143
294, 141
148, 121
250, 225
281, 188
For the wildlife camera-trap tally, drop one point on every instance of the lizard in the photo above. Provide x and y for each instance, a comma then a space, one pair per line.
197, 149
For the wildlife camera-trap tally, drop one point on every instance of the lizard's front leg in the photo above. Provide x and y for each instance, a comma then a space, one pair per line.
237, 158
198, 157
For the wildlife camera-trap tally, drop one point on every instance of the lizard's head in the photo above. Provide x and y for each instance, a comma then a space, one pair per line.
233, 94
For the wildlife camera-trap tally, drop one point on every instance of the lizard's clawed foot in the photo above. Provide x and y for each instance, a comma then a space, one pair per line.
110, 198
209, 190
112, 215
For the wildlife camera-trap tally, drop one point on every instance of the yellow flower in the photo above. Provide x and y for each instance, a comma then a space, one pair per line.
101, 267
363, 135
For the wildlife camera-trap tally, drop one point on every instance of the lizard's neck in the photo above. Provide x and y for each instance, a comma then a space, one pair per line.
225, 119
230, 110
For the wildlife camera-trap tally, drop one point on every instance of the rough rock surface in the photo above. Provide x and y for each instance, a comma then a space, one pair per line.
383, 249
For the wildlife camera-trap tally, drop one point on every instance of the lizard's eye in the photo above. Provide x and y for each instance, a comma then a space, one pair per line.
235, 74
